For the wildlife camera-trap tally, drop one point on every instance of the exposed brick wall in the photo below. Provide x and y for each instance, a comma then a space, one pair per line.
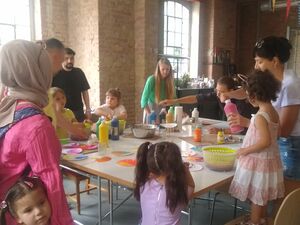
219, 21
108, 37
75, 23
54, 20
206, 35
116, 47
83, 33
146, 25
247, 36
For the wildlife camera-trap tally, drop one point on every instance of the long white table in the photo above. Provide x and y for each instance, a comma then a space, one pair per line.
205, 179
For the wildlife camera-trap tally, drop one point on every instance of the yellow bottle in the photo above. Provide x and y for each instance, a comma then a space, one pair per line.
103, 134
220, 137
170, 117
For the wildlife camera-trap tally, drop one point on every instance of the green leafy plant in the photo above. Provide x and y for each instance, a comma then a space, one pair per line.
183, 81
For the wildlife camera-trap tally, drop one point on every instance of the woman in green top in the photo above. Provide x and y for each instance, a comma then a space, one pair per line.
158, 87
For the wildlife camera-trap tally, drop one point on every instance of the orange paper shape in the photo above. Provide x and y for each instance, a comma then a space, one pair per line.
194, 158
103, 159
88, 147
127, 162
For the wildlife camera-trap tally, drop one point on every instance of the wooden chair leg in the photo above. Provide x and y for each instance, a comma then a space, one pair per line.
87, 185
78, 196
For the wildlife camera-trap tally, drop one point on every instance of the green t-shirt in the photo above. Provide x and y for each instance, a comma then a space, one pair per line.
148, 96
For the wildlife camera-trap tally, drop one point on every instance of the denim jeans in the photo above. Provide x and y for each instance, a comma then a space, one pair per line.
290, 156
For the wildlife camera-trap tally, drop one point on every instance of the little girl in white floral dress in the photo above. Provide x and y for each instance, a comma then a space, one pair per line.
259, 173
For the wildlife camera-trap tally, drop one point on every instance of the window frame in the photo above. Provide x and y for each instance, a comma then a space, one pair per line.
177, 58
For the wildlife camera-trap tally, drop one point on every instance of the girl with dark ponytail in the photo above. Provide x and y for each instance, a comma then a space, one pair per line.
27, 202
164, 184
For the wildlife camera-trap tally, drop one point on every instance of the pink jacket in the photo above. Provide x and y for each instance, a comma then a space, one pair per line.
33, 141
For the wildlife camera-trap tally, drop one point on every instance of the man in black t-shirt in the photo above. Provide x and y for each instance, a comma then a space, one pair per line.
75, 85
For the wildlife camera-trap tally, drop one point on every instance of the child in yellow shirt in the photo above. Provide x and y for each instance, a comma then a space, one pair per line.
63, 119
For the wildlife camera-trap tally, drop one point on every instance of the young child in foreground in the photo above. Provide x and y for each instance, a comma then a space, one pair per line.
112, 106
27, 202
63, 119
164, 184
259, 172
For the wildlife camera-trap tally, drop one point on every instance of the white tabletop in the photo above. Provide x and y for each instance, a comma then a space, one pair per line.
205, 179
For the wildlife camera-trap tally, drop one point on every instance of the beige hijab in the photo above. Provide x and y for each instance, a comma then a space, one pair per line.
25, 69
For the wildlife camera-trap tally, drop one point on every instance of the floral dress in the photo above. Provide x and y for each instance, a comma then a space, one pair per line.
259, 175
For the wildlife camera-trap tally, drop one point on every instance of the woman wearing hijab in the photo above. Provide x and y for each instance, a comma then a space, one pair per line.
28, 144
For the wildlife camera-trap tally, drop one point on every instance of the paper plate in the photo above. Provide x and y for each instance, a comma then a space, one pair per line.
103, 159
121, 153
127, 162
188, 153
71, 151
195, 167
168, 125
76, 157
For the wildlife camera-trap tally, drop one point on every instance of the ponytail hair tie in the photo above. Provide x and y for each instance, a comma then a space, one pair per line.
3, 205
28, 183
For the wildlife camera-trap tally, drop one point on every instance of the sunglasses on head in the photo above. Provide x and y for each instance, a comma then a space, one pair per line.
259, 43
243, 78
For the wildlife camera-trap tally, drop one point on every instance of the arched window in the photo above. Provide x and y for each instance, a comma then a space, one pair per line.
176, 38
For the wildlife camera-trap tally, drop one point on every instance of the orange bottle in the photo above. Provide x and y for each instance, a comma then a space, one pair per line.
197, 134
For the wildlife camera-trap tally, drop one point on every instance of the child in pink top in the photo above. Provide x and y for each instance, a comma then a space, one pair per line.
259, 172
164, 184
27, 202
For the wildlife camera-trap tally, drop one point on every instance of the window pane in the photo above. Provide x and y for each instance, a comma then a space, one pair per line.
171, 24
22, 17
6, 11
16, 20
178, 39
177, 51
185, 13
185, 41
171, 41
171, 8
185, 26
170, 51
22, 32
178, 10
6, 34
178, 25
